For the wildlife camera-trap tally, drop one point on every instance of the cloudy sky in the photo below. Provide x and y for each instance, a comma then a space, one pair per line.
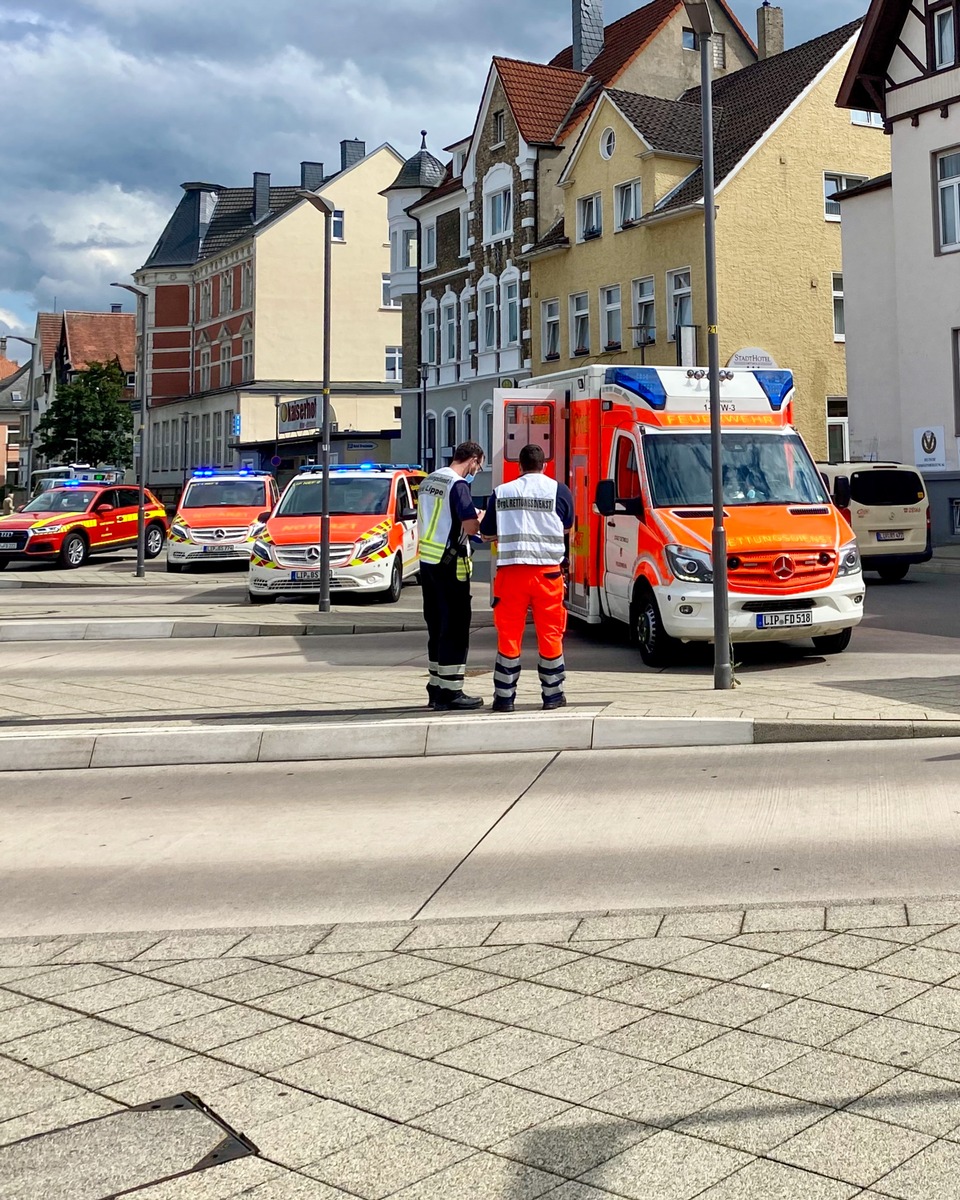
108, 105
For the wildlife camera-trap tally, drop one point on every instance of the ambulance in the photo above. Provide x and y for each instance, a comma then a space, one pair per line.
633, 446
374, 544
216, 514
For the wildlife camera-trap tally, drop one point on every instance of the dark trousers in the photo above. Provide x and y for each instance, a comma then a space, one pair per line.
446, 610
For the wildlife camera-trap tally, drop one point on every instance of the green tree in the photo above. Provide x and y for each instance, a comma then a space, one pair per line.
91, 418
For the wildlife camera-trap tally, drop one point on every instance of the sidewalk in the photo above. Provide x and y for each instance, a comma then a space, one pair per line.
807, 1052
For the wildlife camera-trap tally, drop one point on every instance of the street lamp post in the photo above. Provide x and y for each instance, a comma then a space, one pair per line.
142, 295
326, 208
26, 469
422, 414
698, 12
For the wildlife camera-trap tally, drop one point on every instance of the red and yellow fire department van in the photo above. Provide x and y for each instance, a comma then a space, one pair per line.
633, 445
215, 516
374, 545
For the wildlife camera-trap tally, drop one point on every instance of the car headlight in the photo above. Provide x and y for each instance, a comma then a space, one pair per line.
46, 529
256, 529
372, 545
849, 559
179, 530
692, 566
262, 550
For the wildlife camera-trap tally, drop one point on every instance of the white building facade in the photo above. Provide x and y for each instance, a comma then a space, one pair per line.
901, 252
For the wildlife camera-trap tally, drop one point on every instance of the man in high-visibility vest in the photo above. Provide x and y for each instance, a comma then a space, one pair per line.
447, 519
528, 519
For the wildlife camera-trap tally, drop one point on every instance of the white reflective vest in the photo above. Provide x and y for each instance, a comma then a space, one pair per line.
529, 531
434, 515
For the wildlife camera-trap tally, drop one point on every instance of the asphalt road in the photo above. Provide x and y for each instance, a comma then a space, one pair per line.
380, 840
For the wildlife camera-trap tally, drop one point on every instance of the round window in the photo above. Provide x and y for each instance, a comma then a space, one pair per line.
608, 143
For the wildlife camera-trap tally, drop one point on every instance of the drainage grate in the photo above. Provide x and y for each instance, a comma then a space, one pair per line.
119, 1154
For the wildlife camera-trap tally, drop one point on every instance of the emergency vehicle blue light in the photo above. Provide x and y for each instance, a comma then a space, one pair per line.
74, 483
777, 385
642, 381
202, 474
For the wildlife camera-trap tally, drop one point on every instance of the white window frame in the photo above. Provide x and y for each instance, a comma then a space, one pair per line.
632, 192
948, 190
393, 364
431, 447
579, 311
608, 143
500, 214
510, 309
246, 360
644, 295
499, 129
839, 334
165, 440
841, 423
429, 245
589, 217
466, 424
447, 448
206, 438
206, 368
246, 287
464, 233
226, 291
226, 361
487, 316
838, 183
338, 222
866, 118
386, 300
549, 320
448, 329
676, 294
611, 317
468, 330
944, 56
206, 299
408, 249
430, 339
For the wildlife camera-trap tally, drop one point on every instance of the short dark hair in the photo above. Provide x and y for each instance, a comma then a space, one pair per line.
467, 450
531, 458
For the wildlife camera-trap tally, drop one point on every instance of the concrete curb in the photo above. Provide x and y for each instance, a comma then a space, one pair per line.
139, 628
533, 732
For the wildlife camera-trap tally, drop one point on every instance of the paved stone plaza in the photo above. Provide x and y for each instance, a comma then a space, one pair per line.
788, 1053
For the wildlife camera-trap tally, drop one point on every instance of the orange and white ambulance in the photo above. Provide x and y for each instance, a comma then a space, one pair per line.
215, 516
374, 544
633, 445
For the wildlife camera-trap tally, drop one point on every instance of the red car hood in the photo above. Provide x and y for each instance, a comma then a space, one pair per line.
299, 531
217, 516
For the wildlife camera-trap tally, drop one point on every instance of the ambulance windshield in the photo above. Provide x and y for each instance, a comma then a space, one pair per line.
758, 468
348, 495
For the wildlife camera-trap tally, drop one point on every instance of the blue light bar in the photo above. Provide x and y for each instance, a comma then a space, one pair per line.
226, 473
777, 384
642, 381
74, 483
365, 466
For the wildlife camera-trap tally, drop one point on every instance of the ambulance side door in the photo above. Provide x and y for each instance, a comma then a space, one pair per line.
408, 526
621, 531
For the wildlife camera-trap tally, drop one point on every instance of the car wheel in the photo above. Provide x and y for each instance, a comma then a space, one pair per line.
153, 541
260, 598
657, 648
392, 594
894, 573
174, 568
834, 643
74, 551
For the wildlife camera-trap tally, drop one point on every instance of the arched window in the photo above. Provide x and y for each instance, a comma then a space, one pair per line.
466, 425
430, 442
448, 433
498, 202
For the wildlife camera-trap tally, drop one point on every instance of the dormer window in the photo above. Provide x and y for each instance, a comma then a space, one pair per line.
589, 218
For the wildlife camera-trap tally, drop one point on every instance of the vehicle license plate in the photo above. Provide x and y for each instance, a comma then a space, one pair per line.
890, 535
218, 549
784, 620
305, 576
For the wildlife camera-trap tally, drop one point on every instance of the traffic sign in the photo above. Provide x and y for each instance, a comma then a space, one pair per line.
276, 461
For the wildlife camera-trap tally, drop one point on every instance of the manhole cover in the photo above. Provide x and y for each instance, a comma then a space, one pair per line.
115, 1155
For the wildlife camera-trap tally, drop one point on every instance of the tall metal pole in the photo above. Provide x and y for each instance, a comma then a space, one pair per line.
141, 295
324, 604
722, 667
26, 424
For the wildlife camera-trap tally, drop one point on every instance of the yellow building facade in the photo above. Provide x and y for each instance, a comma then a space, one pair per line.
778, 234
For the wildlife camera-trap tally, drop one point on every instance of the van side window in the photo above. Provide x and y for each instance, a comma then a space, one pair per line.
627, 473
525, 424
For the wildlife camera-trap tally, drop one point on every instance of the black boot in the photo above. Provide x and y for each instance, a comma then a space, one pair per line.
458, 702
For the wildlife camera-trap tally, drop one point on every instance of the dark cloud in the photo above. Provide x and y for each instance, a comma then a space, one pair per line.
110, 104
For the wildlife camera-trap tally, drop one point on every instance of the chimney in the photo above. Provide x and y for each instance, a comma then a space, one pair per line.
351, 152
116, 308
769, 30
311, 176
3, 347
261, 195
587, 32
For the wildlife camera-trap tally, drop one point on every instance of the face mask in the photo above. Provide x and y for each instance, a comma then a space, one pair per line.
469, 478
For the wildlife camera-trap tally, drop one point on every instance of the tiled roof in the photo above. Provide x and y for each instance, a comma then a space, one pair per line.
233, 217
450, 185
100, 337
48, 331
673, 126
540, 97
623, 40
555, 236
755, 97
420, 171
7, 367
